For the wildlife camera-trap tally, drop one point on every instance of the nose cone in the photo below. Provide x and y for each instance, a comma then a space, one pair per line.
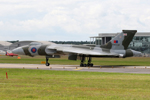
136, 53
18, 50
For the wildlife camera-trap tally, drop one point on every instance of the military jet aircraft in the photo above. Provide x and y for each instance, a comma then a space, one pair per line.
117, 47
10, 54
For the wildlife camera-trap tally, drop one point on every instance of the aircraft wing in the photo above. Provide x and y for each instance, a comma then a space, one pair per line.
84, 50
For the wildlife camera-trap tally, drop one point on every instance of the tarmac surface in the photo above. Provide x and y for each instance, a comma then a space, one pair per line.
114, 69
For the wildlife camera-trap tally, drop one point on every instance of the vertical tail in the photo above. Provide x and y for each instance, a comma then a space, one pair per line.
6, 53
120, 41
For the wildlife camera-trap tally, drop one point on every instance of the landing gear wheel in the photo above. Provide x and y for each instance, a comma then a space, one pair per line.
47, 64
88, 64
81, 65
91, 65
84, 65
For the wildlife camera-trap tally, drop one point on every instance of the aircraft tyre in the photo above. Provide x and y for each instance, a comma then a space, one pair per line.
90, 65
83, 65
47, 64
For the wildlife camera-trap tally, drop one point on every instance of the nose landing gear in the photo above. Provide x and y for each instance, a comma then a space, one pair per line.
47, 64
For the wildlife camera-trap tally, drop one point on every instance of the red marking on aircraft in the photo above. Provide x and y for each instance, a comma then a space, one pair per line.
115, 41
33, 50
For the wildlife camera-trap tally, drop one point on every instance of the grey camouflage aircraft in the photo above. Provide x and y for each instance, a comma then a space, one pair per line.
117, 48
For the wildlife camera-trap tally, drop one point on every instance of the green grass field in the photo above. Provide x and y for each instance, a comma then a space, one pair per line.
25, 84
133, 61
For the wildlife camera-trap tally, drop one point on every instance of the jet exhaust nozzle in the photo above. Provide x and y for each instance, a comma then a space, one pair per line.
121, 56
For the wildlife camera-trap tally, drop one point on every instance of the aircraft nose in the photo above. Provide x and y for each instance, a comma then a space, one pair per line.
18, 50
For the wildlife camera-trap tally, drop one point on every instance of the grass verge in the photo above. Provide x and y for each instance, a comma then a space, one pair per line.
25, 84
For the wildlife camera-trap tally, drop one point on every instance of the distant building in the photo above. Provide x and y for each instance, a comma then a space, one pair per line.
19, 44
4, 46
140, 42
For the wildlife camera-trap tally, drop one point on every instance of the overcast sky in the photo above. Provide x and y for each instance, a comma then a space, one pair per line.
70, 20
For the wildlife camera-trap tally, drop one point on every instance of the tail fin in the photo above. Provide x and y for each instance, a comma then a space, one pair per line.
120, 41
6, 53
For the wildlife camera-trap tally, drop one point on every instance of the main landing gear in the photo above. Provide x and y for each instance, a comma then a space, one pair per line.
89, 64
83, 60
47, 64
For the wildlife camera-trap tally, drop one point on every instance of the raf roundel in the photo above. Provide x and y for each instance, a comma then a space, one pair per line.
33, 50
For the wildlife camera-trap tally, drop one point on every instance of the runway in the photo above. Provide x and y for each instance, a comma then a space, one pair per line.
114, 69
